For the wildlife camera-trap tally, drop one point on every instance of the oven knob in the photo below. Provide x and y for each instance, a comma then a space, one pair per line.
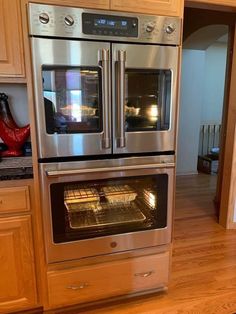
69, 21
44, 18
150, 27
170, 29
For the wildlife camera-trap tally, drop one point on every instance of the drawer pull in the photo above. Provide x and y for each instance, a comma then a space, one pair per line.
146, 274
78, 287
1, 201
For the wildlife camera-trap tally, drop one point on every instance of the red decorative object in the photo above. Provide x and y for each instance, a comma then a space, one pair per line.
13, 136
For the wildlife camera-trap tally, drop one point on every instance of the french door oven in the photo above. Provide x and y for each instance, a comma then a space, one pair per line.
96, 98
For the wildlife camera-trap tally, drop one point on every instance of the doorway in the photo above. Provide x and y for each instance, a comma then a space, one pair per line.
203, 111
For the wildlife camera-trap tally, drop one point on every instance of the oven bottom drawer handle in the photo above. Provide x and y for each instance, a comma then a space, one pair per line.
78, 287
145, 274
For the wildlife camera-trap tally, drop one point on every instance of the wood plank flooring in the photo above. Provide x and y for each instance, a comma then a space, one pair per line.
203, 277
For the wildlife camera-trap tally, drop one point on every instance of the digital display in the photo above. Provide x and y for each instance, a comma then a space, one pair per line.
111, 24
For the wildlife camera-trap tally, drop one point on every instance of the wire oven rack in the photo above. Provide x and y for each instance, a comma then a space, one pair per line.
107, 215
79, 193
90, 206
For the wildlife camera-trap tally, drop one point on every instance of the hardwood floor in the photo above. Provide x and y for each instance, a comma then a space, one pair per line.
203, 277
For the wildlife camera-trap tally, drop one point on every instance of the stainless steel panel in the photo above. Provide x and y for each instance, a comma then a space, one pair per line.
152, 29
154, 58
101, 246
70, 53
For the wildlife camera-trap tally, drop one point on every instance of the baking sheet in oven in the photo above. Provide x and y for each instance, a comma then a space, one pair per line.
106, 215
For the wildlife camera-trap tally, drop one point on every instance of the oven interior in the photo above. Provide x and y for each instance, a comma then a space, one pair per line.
107, 207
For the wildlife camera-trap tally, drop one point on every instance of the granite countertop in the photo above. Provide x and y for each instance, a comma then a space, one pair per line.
15, 168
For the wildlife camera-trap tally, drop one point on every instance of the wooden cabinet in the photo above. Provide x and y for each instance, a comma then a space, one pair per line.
160, 7
17, 269
11, 42
92, 4
94, 282
17, 284
14, 199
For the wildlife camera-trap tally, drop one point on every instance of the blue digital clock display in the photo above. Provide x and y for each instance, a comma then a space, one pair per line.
111, 24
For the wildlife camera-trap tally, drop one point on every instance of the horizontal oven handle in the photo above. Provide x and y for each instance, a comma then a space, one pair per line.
58, 173
104, 58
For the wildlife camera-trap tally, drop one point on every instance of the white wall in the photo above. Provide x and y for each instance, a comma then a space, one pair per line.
213, 92
193, 64
201, 100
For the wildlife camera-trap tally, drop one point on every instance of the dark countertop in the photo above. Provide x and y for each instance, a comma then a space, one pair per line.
16, 168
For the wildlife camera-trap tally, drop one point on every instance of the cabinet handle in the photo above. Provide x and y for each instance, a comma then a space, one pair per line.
145, 274
78, 287
1, 201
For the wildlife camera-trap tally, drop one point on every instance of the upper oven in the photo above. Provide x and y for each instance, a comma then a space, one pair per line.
104, 82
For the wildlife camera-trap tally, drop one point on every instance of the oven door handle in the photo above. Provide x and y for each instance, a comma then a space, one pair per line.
58, 173
120, 98
104, 59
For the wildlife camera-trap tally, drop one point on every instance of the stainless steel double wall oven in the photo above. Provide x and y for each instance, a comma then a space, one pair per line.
105, 104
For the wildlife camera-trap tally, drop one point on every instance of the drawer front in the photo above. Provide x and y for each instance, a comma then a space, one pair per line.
95, 282
15, 199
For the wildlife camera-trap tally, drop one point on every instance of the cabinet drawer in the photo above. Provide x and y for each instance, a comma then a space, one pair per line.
95, 282
15, 199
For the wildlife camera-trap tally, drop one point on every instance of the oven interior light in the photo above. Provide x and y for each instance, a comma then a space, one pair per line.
153, 113
150, 198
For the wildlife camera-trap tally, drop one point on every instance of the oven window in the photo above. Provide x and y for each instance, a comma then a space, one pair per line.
107, 207
72, 99
147, 100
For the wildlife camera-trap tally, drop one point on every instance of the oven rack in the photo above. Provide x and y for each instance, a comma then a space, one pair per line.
74, 193
106, 215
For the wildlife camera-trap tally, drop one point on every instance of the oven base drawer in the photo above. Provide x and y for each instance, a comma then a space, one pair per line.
95, 282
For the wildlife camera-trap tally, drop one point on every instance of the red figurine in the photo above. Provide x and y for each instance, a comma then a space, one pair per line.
13, 136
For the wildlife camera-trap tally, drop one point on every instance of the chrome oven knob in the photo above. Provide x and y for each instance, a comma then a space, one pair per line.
43, 18
170, 29
69, 21
150, 27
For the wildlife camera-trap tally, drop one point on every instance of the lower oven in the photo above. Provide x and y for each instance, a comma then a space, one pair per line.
93, 208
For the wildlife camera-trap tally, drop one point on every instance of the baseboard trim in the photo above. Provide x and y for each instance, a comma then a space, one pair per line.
105, 302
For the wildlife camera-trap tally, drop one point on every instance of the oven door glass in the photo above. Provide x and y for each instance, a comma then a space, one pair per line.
106, 207
72, 99
147, 100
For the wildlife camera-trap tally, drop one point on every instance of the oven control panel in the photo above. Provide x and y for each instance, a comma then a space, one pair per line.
109, 25
67, 22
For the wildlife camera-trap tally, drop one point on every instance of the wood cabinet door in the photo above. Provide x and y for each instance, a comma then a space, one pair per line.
17, 283
92, 4
159, 7
11, 46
